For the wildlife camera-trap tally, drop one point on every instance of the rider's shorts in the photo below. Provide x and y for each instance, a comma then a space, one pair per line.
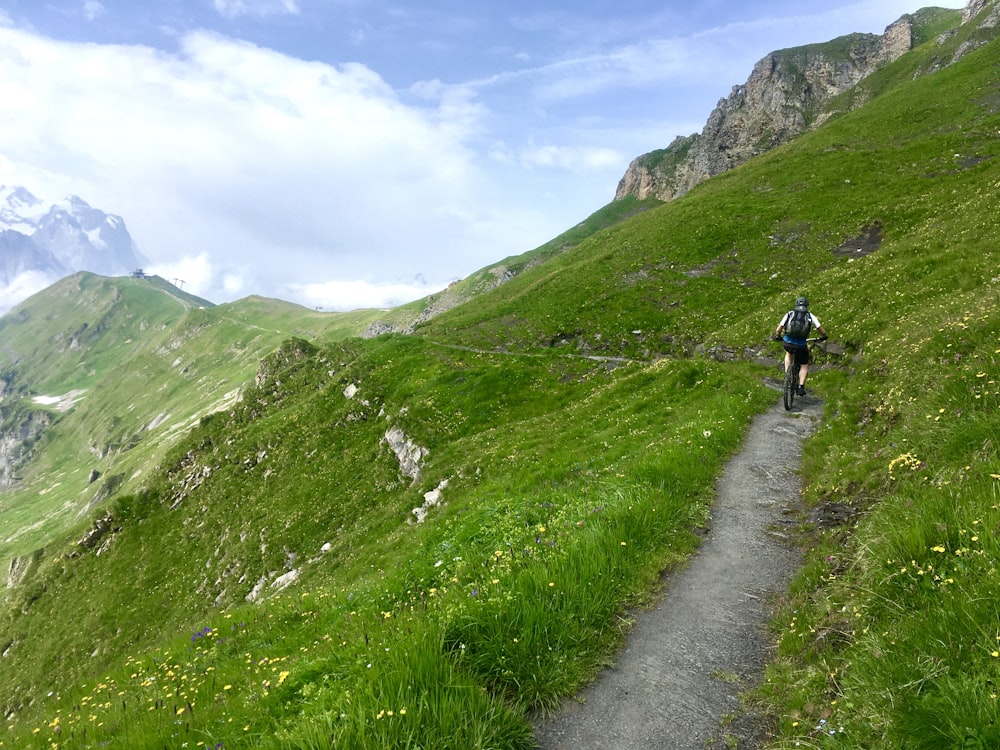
801, 353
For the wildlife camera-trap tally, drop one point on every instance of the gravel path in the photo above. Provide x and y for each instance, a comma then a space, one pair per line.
687, 660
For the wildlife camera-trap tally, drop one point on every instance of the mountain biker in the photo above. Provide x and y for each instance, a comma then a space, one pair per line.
794, 343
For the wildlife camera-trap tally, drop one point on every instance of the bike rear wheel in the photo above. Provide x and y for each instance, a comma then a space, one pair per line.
791, 385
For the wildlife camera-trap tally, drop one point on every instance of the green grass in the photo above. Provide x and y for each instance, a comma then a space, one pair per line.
914, 594
570, 534
146, 363
568, 481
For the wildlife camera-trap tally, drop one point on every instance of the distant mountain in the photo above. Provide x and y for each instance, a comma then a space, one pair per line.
19, 254
41, 243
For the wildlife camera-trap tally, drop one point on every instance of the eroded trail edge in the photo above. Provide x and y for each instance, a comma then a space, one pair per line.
687, 660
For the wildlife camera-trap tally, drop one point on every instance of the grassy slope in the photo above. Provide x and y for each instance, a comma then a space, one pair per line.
273, 497
504, 599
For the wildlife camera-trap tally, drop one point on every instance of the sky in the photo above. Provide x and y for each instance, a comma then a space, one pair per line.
363, 153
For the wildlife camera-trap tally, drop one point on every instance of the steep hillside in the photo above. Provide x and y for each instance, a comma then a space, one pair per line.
418, 541
102, 374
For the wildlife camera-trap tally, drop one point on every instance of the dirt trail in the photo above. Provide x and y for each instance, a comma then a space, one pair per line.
686, 661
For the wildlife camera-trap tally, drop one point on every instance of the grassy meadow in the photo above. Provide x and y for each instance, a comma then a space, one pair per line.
263, 581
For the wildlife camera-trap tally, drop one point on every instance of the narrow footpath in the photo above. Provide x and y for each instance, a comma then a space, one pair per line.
679, 677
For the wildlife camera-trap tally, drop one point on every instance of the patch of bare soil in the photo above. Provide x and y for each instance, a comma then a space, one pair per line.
677, 682
869, 240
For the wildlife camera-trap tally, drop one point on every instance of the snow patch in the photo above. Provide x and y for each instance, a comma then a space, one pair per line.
62, 403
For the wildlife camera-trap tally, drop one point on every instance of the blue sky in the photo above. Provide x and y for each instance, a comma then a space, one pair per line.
347, 153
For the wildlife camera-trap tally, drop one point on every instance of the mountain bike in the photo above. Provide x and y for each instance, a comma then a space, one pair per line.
790, 388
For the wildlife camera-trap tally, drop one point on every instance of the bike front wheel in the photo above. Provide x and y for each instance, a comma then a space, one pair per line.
791, 384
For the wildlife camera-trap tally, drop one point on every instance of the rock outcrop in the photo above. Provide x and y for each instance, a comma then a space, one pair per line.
18, 433
409, 454
786, 94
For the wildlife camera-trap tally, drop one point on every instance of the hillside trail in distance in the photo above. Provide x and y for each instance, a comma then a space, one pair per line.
687, 659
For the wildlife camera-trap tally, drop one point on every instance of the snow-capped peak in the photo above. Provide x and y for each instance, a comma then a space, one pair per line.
61, 238
19, 209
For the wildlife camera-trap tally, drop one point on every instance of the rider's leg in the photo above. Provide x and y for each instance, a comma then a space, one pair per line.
788, 360
803, 372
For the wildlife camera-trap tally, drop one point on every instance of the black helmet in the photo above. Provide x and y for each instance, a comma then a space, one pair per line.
801, 302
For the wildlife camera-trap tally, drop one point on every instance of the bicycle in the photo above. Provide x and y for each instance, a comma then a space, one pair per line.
790, 387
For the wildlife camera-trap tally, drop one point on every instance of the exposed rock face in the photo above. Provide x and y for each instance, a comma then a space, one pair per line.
974, 8
410, 455
21, 567
786, 94
17, 436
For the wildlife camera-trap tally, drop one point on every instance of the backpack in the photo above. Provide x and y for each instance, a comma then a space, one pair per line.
798, 324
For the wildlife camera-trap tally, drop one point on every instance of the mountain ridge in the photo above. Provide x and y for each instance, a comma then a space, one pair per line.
787, 92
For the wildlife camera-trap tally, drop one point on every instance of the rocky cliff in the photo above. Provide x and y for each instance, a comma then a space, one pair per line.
787, 93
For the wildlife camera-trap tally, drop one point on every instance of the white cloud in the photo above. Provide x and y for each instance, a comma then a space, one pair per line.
92, 9
236, 8
352, 295
22, 287
572, 158
192, 273
269, 168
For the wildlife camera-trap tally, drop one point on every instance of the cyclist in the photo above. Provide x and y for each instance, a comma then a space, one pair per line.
793, 330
